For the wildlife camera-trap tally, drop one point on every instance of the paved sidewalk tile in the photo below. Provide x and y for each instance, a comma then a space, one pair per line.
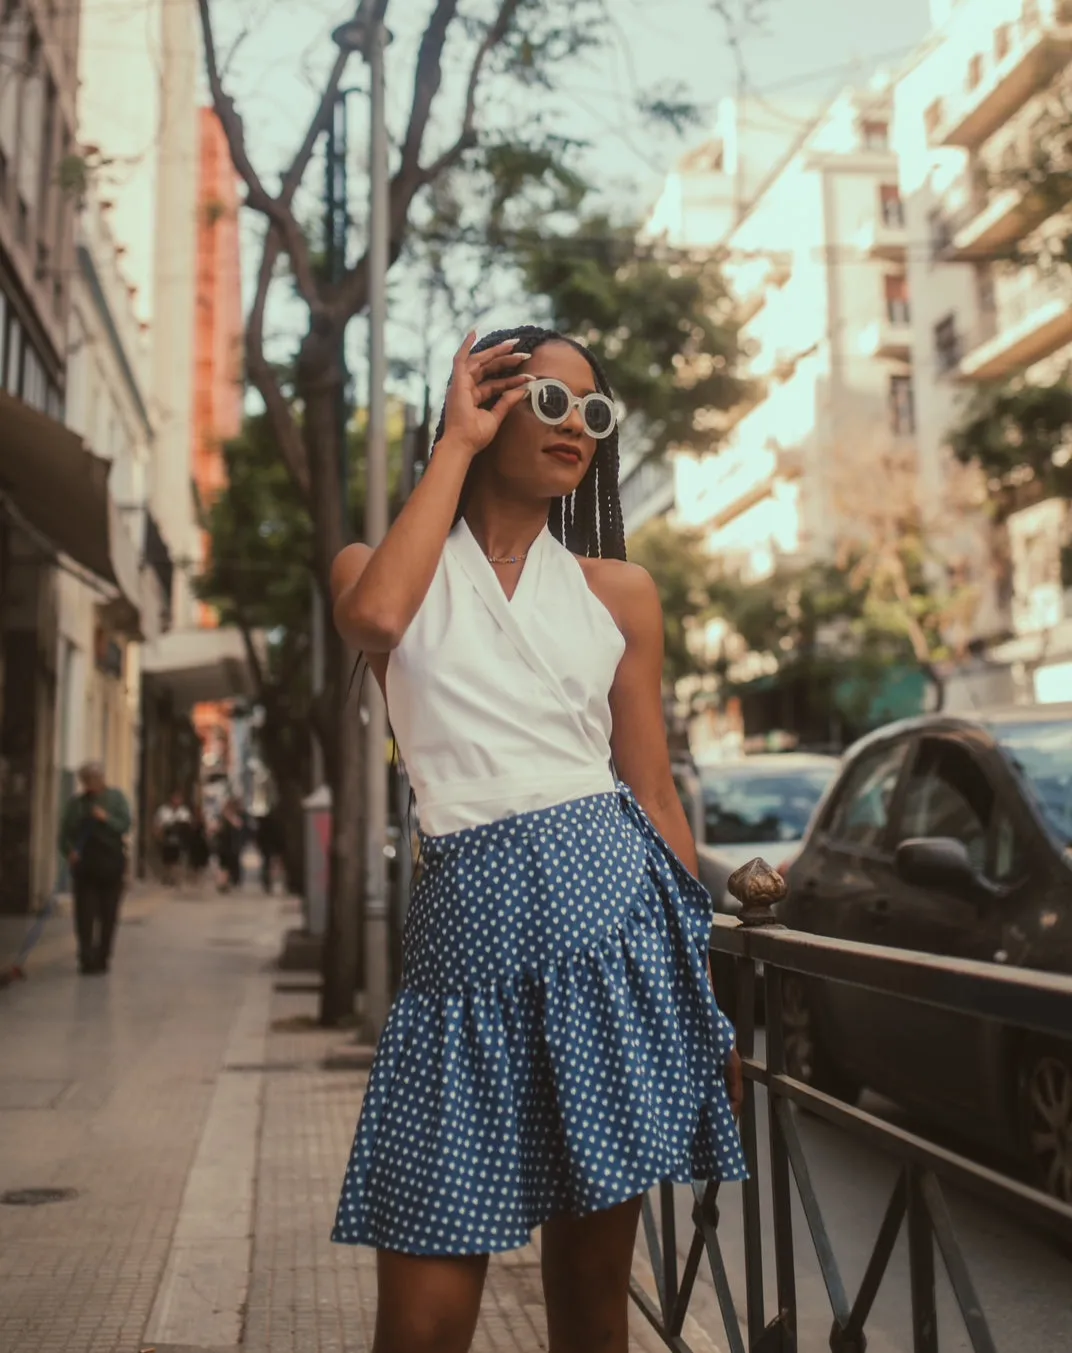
191, 1108
104, 1085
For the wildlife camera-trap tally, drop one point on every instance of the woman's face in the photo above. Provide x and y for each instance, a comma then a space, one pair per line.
540, 461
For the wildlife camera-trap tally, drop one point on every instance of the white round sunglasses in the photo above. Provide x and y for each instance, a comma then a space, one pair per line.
553, 402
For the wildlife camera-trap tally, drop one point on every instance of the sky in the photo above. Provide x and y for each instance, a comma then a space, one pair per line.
804, 49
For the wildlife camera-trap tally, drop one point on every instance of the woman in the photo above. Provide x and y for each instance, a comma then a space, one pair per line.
555, 1049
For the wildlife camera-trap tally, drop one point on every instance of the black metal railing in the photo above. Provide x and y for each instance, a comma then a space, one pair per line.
759, 951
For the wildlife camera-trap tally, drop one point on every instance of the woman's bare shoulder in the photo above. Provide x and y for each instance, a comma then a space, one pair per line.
626, 590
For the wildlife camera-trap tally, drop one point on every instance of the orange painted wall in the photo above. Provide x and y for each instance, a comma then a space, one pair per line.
218, 370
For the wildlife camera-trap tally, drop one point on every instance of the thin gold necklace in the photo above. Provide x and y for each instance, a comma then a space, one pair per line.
508, 559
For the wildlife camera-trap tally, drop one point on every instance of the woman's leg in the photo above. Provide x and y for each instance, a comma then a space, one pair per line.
427, 1305
586, 1266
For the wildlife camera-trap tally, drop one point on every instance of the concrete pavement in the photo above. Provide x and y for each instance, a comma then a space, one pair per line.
187, 1113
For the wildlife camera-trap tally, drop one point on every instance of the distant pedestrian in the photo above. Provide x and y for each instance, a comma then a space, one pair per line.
173, 826
269, 845
200, 850
230, 838
555, 1049
95, 822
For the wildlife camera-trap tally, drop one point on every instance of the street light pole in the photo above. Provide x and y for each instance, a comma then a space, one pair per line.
376, 522
368, 34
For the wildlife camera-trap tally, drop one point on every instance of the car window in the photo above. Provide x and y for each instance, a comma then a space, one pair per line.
861, 811
743, 806
948, 795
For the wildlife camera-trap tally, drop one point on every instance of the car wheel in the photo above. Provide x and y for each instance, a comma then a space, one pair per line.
1046, 1116
806, 1057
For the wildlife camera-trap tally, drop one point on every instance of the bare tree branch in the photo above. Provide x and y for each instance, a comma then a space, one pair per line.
497, 31
263, 376
411, 178
426, 82
276, 209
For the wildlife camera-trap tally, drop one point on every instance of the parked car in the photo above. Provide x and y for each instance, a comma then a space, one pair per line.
951, 836
758, 805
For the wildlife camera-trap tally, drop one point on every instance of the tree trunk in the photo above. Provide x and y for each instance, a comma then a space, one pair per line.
319, 384
343, 947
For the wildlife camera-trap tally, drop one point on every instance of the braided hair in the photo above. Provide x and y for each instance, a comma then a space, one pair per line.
589, 521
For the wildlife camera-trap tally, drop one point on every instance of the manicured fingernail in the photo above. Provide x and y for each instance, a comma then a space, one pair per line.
523, 356
511, 342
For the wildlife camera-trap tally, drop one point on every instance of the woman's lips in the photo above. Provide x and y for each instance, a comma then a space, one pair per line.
569, 455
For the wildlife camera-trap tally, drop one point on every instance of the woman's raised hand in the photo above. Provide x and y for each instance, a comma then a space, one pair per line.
477, 378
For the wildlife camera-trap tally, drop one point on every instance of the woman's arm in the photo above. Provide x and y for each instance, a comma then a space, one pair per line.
377, 592
638, 741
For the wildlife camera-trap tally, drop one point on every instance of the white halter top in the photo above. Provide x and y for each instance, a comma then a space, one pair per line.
502, 706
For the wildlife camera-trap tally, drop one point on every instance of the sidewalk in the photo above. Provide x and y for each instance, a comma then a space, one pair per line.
192, 1107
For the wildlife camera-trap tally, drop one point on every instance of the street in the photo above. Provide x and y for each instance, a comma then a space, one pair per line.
1022, 1278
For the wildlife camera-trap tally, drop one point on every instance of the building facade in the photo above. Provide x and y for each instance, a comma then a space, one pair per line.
702, 198
818, 265
968, 110
61, 530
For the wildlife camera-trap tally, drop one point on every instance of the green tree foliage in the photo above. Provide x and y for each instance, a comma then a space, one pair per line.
1019, 435
662, 323
257, 577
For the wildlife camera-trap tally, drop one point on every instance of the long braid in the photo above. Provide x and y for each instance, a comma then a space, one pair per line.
589, 522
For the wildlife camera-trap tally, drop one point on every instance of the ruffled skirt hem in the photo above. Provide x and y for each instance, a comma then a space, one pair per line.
566, 1085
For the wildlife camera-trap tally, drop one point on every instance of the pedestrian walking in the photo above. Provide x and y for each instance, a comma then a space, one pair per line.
230, 838
95, 823
269, 844
555, 1049
200, 850
172, 826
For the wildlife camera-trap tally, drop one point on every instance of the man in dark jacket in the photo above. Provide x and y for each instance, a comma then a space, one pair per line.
91, 837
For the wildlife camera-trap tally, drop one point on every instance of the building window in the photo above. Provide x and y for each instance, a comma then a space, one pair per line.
890, 205
876, 135
934, 117
12, 373
947, 343
938, 229
898, 310
902, 406
975, 72
1002, 42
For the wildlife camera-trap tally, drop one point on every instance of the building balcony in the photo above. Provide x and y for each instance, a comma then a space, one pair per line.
987, 228
883, 238
1036, 47
889, 338
1027, 325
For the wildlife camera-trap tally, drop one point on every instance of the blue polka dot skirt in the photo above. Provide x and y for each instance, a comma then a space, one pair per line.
555, 1046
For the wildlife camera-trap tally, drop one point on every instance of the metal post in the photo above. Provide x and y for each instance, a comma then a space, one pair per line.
376, 520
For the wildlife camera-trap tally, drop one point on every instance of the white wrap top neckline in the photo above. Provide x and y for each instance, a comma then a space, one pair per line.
502, 706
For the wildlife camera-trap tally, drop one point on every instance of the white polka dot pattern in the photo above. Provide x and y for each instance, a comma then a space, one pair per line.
555, 1047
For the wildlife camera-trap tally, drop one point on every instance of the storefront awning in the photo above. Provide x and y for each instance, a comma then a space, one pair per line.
199, 666
61, 489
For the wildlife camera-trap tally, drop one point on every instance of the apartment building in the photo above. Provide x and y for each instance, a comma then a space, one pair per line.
818, 264
64, 546
967, 111
701, 199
